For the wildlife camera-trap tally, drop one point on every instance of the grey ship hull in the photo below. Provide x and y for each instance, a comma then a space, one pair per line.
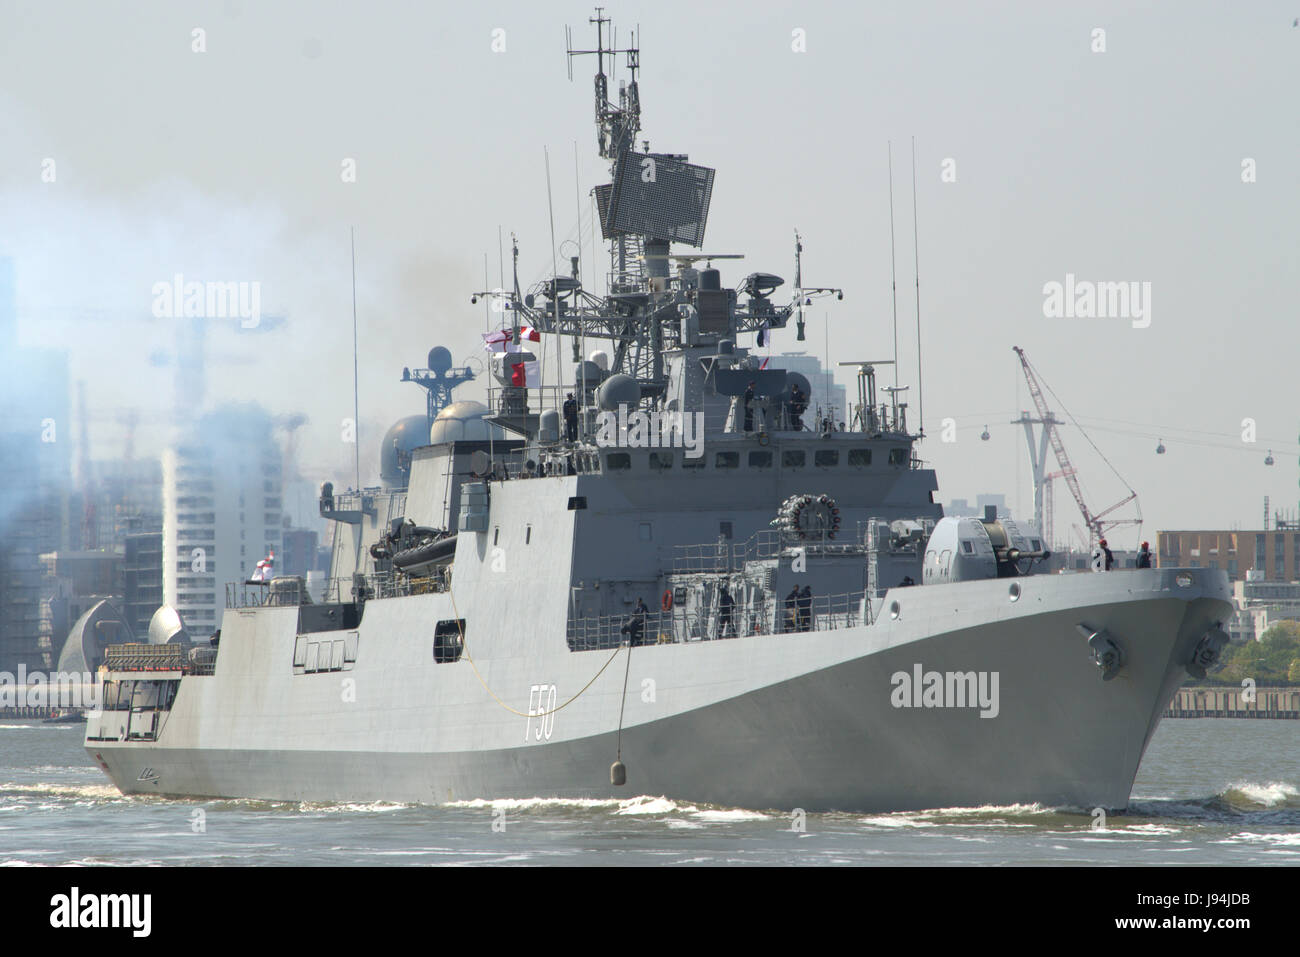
777, 721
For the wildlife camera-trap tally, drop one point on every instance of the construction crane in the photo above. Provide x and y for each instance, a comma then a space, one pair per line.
1049, 498
89, 520
1093, 521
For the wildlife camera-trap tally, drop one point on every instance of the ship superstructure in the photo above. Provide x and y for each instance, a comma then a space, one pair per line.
677, 569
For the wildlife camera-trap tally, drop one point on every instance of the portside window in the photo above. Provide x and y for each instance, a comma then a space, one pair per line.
727, 460
760, 460
448, 640
792, 459
898, 456
692, 463
859, 458
661, 460
618, 461
826, 458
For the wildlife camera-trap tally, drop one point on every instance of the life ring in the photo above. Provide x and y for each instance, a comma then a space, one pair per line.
666, 602
763, 439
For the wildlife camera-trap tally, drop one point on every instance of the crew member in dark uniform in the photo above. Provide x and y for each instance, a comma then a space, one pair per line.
571, 419
805, 609
791, 620
725, 605
749, 407
635, 627
1144, 556
1110, 557
798, 403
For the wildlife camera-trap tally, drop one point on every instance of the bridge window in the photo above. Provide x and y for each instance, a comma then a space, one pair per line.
661, 460
898, 456
859, 458
727, 460
760, 460
693, 463
618, 461
792, 459
826, 458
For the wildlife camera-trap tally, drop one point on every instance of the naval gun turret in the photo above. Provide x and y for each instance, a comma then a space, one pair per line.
967, 549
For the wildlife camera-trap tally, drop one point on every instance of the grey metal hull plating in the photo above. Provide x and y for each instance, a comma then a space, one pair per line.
779, 721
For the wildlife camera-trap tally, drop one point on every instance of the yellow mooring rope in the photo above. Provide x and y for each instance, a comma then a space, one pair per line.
525, 714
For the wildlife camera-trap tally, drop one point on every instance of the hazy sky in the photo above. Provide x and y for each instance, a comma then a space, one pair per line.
1122, 165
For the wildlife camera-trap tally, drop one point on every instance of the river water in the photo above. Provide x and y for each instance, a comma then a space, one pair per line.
1210, 791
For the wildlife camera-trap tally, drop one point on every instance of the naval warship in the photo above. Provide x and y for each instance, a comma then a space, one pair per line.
680, 581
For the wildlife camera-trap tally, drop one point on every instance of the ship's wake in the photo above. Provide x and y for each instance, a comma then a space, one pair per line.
1275, 804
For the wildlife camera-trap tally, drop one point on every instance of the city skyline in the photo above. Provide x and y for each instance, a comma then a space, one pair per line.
1160, 158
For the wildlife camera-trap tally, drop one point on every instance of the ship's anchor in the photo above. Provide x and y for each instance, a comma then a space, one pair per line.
1206, 653
618, 770
1106, 652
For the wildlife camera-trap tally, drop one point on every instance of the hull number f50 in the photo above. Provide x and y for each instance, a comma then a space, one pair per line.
541, 700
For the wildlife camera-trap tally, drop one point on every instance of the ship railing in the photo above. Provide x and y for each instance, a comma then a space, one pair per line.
563, 459
293, 592
352, 500
765, 616
722, 557
186, 658
540, 398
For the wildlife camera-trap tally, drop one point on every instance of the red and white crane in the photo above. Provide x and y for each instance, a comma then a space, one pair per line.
1093, 521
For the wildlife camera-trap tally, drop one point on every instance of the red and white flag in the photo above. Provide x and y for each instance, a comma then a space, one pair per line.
530, 334
526, 375
497, 341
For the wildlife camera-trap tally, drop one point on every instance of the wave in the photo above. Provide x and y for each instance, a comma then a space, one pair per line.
1273, 794
1276, 803
77, 791
526, 804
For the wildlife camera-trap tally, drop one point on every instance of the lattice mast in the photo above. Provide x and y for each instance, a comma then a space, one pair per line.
616, 130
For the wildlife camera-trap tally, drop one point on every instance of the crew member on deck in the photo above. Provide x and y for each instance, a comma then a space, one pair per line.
798, 403
805, 608
1144, 556
749, 407
635, 627
1102, 557
791, 620
725, 605
571, 419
